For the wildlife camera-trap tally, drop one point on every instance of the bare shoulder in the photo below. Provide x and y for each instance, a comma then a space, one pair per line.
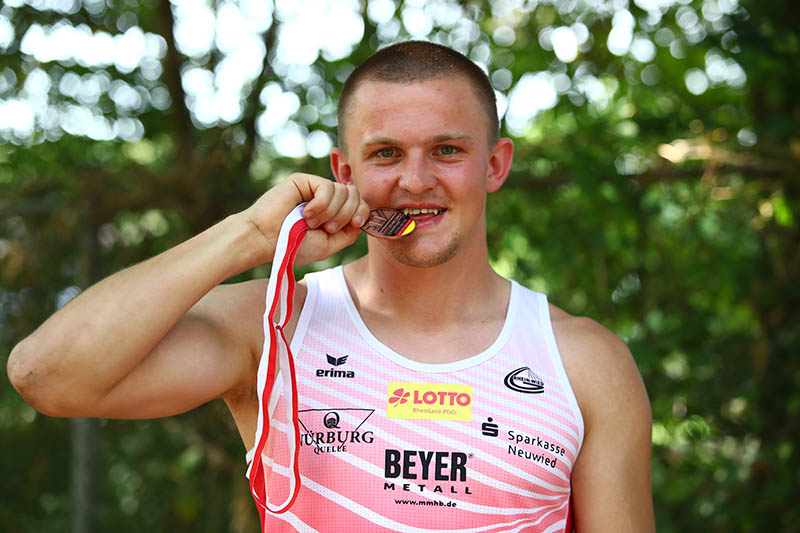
600, 367
238, 308
611, 477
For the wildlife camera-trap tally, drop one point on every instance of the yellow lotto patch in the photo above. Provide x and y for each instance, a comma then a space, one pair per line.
429, 401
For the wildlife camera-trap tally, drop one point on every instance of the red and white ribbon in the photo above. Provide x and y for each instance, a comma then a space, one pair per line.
281, 283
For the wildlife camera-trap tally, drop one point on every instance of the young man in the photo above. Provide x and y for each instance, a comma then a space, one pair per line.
432, 393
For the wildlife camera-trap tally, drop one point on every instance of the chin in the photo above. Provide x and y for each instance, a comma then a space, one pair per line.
418, 259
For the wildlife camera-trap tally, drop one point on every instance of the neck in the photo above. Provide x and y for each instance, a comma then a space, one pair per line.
462, 288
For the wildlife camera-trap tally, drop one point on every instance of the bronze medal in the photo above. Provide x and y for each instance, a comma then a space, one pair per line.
388, 223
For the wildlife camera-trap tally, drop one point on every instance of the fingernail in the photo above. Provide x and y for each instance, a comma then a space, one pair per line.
331, 227
359, 220
311, 222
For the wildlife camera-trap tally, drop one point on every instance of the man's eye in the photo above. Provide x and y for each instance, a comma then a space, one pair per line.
448, 150
385, 153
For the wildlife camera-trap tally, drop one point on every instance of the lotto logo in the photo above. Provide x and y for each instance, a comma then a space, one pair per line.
431, 401
399, 396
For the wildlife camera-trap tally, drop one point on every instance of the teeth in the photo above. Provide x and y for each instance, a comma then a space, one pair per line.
409, 211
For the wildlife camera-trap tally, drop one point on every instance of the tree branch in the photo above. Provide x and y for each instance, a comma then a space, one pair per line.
519, 180
172, 77
252, 102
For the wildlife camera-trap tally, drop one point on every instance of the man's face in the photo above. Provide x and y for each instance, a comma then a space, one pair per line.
423, 147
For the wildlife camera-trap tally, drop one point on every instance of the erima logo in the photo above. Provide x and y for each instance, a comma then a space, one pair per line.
524, 380
332, 372
333, 361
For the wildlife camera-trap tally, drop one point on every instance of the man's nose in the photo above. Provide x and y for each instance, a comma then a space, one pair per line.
417, 174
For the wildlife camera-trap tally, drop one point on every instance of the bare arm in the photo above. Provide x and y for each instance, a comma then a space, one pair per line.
611, 479
158, 338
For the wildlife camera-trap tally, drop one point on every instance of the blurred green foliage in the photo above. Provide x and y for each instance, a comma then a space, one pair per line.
658, 194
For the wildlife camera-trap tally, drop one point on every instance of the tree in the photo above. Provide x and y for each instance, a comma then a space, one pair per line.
654, 189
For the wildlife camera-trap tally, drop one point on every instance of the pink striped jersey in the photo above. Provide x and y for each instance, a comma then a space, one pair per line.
483, 444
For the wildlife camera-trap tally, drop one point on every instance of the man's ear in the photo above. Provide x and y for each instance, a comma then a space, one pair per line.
499, 164
341, 169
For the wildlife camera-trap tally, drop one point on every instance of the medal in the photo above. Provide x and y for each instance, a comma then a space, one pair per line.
388, 223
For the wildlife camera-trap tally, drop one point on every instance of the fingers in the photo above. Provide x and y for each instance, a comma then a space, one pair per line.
334, 213
334, 206
325, 205
346, 208
360, 210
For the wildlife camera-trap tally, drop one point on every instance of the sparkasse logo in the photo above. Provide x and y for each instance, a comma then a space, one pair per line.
431, 401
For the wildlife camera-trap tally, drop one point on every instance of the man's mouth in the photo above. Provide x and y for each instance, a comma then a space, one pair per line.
425, 211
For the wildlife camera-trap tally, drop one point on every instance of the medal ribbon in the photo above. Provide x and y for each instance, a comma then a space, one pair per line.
281, 283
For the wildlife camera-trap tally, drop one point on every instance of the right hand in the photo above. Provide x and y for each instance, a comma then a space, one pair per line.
334, 213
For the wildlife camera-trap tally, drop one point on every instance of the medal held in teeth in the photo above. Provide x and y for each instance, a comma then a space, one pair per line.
388, 223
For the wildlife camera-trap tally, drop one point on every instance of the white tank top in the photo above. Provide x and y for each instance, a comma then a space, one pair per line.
486, 443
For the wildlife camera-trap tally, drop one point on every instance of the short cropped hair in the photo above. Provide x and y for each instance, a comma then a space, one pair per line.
411, 61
